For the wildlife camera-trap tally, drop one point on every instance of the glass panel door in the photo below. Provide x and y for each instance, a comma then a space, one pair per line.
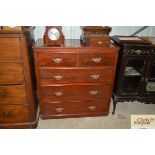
134, 69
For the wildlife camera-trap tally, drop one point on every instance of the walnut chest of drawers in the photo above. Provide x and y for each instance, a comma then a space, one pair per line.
74, 80
17, 98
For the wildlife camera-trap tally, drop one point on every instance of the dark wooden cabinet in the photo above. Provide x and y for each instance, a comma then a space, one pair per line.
74, 80
18, 108
135, 78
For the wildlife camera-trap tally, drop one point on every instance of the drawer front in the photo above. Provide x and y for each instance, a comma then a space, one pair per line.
77, 75
87, 107
11, 73
101, 42
12, 95
9, 49
75, 92
96, 59
14, 114
49, 59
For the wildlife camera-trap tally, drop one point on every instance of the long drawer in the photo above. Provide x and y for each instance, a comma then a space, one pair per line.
62, 108
75, 92
75, 75
12, 95
11, 73
10, 49
14, 114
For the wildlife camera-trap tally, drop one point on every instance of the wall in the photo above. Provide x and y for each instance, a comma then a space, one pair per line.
74, 32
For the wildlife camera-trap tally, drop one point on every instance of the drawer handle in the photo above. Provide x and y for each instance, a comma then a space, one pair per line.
93, 92
95, 76
58, 77
6, 114
138, 52
92, 108
57, 60
2, 95
59, 109
100, 42
58, 93
97, 60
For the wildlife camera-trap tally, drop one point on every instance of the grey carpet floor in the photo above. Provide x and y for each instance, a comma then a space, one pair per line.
121, 119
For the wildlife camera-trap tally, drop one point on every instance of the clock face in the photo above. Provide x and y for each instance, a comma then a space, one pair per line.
53, 34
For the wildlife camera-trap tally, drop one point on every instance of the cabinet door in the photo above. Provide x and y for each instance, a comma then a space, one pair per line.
133, 75
149, 89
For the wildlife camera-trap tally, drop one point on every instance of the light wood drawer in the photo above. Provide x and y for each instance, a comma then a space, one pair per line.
14, 114
12, 95
75, 75
10, 49
11, 73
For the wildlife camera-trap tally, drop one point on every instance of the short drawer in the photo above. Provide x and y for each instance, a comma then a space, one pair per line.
75, 75
10, 49
96, 59
14, 114
12, 95
81, 107
99, 41
55, 59
75, 92
11, 73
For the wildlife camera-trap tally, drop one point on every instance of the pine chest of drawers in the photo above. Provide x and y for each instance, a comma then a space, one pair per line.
17, 97
74, 80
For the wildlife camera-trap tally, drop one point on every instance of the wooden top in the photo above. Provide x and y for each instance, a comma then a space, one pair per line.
69, 43
150, 39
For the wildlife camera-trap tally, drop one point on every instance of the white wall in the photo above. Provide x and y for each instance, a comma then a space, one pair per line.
74, 32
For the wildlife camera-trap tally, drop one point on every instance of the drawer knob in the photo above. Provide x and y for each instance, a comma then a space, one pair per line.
58, 93
97, 60
95, 76
138, 52
59, 109
2, 95
93, 92
57, 60
92, 108
58, 77
100, 42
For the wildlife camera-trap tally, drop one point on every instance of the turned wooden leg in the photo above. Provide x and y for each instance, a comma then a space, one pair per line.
114, 105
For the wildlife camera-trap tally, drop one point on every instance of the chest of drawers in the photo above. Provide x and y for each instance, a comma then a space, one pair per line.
74, 80
17, 98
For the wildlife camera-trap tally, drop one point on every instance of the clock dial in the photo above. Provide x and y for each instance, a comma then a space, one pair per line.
53, 34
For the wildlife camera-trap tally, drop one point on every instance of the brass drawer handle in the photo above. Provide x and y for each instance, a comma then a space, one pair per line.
97, 60
58, 93
95, 76
58, 77
57, 60
93, 92
100, 42
92, 108
59, 109
2, 95
138, 52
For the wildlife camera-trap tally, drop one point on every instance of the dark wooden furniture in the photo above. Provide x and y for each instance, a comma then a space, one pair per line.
135, 74
74, 80
17, 96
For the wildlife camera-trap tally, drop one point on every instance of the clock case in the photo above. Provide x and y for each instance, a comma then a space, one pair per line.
58, 42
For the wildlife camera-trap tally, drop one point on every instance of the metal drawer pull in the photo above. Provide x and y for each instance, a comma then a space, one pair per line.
57, 60
97, 60
92, 108
100, 42
58, 77
2, 95
58, 93
93, 92
138, 51
59, 109
95, 76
